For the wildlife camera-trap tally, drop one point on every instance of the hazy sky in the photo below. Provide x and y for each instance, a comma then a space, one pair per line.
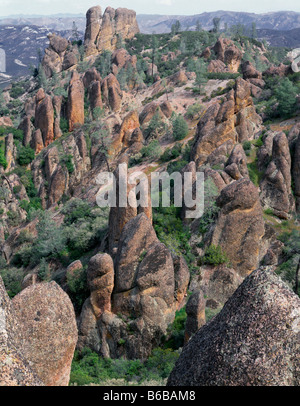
187, 7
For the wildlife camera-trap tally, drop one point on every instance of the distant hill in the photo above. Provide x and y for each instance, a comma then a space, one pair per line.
283, 20
290, 39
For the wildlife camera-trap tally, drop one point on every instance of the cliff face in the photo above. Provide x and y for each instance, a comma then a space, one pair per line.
104, 31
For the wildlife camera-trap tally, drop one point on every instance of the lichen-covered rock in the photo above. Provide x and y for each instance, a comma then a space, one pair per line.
38, 335
236, 166
15, 370
254, 341
48, 334
240, 225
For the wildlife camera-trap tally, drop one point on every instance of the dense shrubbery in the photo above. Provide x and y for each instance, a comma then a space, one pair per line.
88, 367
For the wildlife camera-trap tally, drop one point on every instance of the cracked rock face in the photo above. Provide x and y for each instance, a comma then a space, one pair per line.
254, 341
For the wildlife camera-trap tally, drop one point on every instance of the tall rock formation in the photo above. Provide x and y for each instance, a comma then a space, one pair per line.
103, 32
75, 101
240, 225
276, 189
225, 124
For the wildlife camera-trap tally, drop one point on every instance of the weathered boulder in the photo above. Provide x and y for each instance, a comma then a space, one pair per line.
112, 93
75, 105
10, 152
44, 116
249, 71
54, 55
195, 310
240, 225
27, 128
296, 172
104, 32
275, 187
15, 370
49, 334
37, 142
252, 342
280, 70
119, 216
38, 335
233, 121
236, 166
100, 277
228, 53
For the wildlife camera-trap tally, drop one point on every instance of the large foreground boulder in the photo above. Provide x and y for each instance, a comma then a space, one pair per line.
38, 335
254, 341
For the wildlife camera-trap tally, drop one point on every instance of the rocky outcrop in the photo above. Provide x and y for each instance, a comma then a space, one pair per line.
236, 166
119, 216
228, 53
111, 91
10, 152
27, 128
240, 225
92, 82
100, 277
38, 329
104, 32
15, 370
218, 284
280, 70
233, 121
44, 117
252, 342
149, 285
58, 55
296, 172
75, 105
276, 185
195, 310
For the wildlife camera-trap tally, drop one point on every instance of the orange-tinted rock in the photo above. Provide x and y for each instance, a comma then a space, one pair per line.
112, 92
104, 32
75, 102
37, 142
167, 109
235, 120
44, 116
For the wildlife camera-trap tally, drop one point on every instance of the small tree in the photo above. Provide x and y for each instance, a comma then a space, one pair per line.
198, 26
75, 33
216, 23
42, 79
180, 128
286, 95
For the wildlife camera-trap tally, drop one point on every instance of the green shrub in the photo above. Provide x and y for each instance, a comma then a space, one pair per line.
214, 256
25, 155
180, 128
78, 289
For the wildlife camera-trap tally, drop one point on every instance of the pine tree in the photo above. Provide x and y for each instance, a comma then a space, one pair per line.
286, 95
